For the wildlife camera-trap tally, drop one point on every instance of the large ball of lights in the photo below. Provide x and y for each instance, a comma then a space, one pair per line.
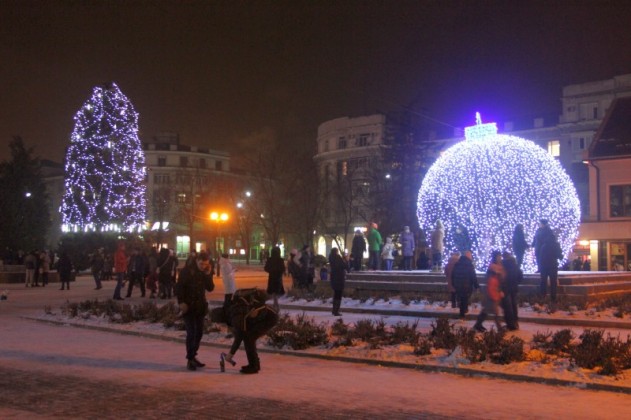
491, 182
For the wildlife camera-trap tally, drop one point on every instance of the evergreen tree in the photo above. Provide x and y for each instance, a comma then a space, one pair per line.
24, 213
105, 166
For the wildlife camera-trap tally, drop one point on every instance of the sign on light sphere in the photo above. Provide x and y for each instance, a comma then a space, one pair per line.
491, 182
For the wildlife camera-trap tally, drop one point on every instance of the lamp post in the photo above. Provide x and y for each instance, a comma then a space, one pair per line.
219, 218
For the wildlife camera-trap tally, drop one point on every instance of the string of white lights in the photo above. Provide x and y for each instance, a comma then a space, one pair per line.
491, 182
104, 167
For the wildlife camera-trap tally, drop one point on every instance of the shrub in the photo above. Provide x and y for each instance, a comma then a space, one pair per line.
443, 335
339, 328
299, 334
404, 333
423, 345
511, 350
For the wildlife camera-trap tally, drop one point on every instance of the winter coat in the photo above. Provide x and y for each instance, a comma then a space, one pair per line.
97, 263
493, 294
407, 244
64, 268
359, 246
191, 290
514, 275
374, 240
463, 276
550, 252
449, 268
519, 242
227, 276
437, 237
139, 264
338, 272
386, 252
120, 261
542, 235
275, 266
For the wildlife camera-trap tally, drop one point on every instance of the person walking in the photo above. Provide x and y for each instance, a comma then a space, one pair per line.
464, 280
449, 268
338, 278
64, 269
406, 239
120, 268
493, 293
96, 266
152, 276
437, 238
358, 249
514, 276
137, 268
519, 244
275, 267
195, 279
387, 254
374, 246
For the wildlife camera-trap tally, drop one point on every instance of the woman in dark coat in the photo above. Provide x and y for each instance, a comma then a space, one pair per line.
275, 266
519, 244
64, 268
195, 280
338, 278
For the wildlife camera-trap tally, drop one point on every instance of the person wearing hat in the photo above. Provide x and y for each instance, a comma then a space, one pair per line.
195, 279
374, 246
407, 247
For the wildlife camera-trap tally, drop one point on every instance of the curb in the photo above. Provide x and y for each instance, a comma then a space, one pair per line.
588, 323
456, 370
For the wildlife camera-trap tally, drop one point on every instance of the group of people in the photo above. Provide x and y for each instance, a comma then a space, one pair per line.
380, 251
37, 267
503, 277
156, 271
244, 311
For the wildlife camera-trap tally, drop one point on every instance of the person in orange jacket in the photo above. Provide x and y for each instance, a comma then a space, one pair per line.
493, 296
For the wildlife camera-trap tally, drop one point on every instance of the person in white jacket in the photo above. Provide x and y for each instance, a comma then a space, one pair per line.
387, 254
229, 285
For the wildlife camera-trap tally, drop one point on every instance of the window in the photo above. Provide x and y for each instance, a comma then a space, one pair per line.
202, 163
181, 198
183, 161
362, 140
341, 143
161, 178
620, 201
326, 145
162, 161
554, 148
342, 168
218, 165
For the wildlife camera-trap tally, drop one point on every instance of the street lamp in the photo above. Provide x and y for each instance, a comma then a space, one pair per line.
219, 218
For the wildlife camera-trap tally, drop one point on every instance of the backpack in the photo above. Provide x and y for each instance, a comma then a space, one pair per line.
252, 297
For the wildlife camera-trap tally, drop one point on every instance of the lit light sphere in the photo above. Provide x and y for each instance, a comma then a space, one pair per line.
488, 184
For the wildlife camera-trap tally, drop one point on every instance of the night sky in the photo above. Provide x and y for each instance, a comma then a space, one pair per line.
223, 73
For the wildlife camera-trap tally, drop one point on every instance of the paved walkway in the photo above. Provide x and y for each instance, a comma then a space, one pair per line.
49, 371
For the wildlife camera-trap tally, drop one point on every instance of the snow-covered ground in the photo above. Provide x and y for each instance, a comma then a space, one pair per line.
559, 370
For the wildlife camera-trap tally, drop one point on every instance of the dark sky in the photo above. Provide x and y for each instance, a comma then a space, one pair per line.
222, 72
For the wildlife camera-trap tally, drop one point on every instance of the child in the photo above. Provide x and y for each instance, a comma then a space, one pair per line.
494, 294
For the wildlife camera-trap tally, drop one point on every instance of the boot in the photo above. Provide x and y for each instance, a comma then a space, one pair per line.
478, 324
336, 307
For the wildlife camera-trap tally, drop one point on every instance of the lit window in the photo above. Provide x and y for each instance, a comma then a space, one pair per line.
554, 148
341, 143
620, 201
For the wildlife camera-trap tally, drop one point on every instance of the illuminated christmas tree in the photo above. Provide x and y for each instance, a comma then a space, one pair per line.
491, 182
105, 166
